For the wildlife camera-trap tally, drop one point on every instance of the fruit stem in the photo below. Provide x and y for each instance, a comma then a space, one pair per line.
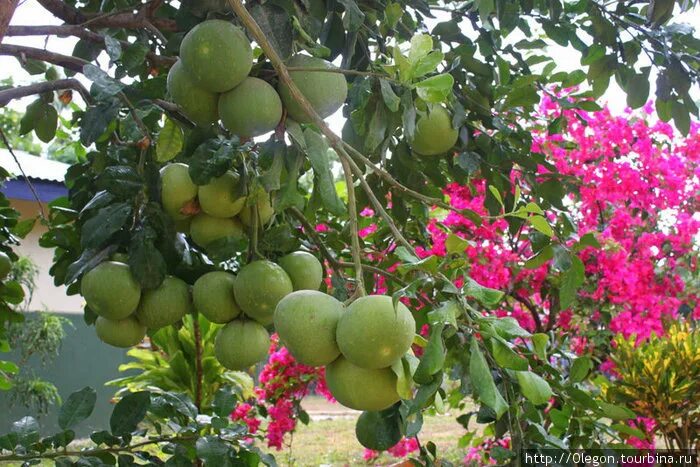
352, 207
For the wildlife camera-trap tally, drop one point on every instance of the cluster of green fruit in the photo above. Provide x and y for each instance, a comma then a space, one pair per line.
210, 82
357, 344
217, 210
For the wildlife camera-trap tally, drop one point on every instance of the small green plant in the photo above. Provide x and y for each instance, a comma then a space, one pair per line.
174, 361
660, 379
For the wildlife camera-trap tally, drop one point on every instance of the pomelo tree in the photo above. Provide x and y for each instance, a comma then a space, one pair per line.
432, 94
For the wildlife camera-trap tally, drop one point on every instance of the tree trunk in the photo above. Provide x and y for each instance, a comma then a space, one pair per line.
7, 9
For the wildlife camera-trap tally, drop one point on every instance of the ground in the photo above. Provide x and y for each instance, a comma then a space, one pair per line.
329, 439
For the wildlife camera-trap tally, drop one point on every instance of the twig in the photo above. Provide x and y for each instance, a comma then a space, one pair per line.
348, 72
354, 232
66, 61
531, 308
65, 30
26, 179
252, 26
6, 95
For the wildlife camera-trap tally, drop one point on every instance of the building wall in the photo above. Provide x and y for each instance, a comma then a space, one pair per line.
47, 296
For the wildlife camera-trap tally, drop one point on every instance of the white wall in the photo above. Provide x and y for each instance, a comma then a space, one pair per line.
46, 294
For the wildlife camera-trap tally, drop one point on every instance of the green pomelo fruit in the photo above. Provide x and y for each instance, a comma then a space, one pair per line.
177, 189
205, 229
217, 55
252, 108
110, 290
306, 321
240, 344
220, 197
305, 271
325, 91
361, 388
213, 297
199, 105
434, 133
124, 333
5, 265
378, 431
372, 334
165, 305
259, 287
264, 209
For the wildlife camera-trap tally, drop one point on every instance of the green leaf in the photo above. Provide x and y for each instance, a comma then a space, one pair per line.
485, 295
681, 117
402, 370
353, 17
421, 45
447, 313
508, 327
391, 100
496, 194
506, 357
113, 48
224, 401
27, 430
129, 412
544, 255
77, 408
105, 83
571, 280
433, 358
96, 120
534, 388
408, 116
170, 141
637, 90
580, 368
482, 381
324, 184
392, 14
211, 159
427, 64
455, 244
541, 225
145, 260
539, 342
104, 224
436, 88
615, 412
522, 96
275, 24
213, 451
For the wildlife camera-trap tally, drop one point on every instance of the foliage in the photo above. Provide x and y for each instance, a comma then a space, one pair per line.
167, 365
500, 178
660, 379
143, 427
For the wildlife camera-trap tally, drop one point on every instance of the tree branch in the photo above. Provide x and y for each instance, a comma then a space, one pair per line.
66, 30
63, 11
531, 308
125, 19
66, 61
7, 95
7, 9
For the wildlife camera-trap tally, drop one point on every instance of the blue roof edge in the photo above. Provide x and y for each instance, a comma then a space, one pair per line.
47, 191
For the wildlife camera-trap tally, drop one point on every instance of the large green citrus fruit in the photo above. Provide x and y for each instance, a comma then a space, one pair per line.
125, 332
165, 305
372, 334
259, 287
217, 55
434, 133
361, 388
199, 105
378, 431
205, 229
306, 321
5, 265
241, 343
177, 190
220, 197
305, 271
264, 209
110, 290
252, 108
213, 297
325, 91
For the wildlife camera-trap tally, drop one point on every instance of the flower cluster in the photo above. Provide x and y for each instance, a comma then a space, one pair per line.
402, 449
283, 383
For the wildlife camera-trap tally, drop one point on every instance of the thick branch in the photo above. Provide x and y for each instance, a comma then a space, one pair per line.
7, 9
531, 308
66, 61
62, 10
7, 95
66, 30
